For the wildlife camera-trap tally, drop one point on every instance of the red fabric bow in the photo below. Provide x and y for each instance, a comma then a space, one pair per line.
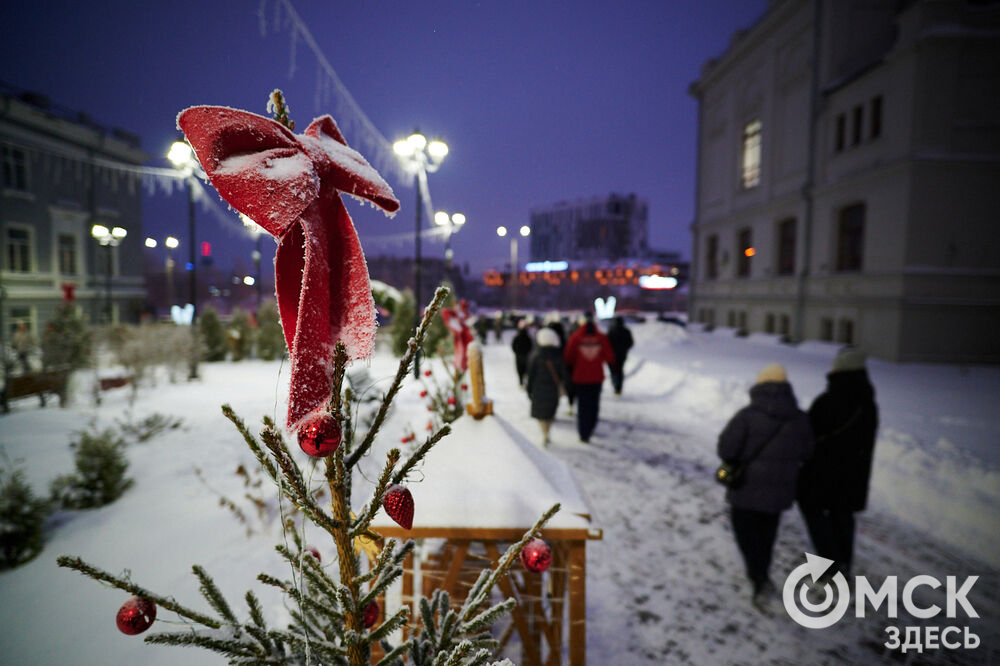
290, 185
456, 321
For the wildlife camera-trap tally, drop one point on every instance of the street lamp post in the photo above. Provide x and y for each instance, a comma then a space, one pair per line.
108, 238
454, 222
502, 232
256, 231
182, 158
419, 157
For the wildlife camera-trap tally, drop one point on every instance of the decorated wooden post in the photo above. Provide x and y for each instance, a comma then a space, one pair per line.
480, 405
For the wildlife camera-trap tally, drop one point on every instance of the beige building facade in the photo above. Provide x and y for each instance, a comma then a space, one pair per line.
849, 178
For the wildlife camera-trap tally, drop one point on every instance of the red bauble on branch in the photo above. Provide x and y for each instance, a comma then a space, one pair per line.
370, 614
536, 555
136, 616
320, 435
398, 504
312, 550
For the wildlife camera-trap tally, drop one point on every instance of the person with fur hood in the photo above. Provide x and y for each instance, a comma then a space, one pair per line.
545, 379
770, 439
587, 351
833, 485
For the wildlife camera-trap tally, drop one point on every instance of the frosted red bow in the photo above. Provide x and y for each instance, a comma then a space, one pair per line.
456, 320
290, 185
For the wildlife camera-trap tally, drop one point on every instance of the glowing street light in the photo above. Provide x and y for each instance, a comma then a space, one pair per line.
182, 157
524, 231
109, 239
419, 157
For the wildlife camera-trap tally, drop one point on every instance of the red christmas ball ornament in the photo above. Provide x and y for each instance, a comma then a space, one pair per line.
312, 550
136, 616
398, 505
427, 373
404, 440
465, 387
370, 614
430, 425
320, 435
423, 394
536, 555
451, 400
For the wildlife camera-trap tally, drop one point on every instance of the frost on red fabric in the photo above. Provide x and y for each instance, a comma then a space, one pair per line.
290, 185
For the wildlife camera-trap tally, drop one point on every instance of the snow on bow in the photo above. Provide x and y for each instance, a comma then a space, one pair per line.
290, 185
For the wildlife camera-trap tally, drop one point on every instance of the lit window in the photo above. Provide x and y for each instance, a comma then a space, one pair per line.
751, 154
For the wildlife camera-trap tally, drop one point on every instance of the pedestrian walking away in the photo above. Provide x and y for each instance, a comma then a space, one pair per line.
621, 341
834, 483
769, 439
587, 350
545, 379
522, 346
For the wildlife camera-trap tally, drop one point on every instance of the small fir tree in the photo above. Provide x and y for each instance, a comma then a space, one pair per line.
212, 333
270, 339
240, 334
66, 341
22, 517
99, 478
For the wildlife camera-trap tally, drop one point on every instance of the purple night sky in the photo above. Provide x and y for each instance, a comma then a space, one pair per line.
539, 101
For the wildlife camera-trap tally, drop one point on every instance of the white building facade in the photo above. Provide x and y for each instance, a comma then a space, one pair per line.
849, 178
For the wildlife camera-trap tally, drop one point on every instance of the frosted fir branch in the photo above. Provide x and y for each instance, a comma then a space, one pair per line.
488, 617
385, 559
419, 454
481, 591
126, 585
361, 525
394, 655
228, 647
404, 366
279, 108
251, 441
397, 621
213, 595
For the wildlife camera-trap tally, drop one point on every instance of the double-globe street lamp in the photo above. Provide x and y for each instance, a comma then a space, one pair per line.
419, 157
502, 232
170, 243
108, 238
182, 157
452, 223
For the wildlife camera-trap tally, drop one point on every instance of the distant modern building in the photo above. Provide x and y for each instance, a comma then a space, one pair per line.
605, 228
62, 174
849, 178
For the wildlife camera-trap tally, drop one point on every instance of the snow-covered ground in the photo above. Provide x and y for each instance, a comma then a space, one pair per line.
665, 584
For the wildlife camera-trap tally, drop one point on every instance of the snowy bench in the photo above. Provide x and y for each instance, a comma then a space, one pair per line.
35, 383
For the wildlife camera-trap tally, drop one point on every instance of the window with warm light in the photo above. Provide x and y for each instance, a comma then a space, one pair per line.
751, 154
745, 251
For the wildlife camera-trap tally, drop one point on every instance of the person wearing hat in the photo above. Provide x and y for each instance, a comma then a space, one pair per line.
769, 439
521, 344
587, 352
545, 378
834, 483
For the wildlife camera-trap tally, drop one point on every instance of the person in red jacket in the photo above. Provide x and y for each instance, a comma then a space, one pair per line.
587, 350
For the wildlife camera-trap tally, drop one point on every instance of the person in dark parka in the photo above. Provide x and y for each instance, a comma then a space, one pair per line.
521, 344
545, 377
621, 341
833, 485
771, 437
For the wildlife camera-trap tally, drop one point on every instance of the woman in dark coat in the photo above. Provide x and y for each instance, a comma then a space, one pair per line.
771, 438
621, 341
521, 344
834, 482
545, 377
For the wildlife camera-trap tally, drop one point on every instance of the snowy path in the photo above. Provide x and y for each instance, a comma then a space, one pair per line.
666, 584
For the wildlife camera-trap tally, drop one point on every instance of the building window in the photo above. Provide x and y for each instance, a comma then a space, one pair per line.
858, 124
18, 315
67, 254
731, 319
18, 250
769, 322
786, 246
876, 117
15, 168
845, 331
841, 137
712, 257
744, 251
784, 324
741, 320
751, 154
850, 237
826, 329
